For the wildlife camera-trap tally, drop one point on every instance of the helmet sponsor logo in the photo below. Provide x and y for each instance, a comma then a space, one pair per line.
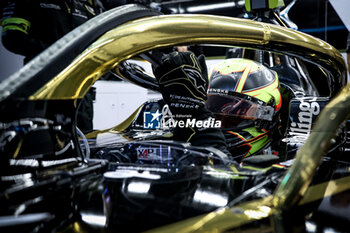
220, 91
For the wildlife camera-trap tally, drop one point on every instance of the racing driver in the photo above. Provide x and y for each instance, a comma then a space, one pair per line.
243, 94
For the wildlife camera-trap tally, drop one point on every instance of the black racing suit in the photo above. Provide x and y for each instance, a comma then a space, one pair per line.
30, 26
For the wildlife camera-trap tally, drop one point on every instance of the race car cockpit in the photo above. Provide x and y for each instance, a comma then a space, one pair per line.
133, 172
300, 100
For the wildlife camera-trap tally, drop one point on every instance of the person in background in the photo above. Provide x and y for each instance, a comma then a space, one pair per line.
31, 26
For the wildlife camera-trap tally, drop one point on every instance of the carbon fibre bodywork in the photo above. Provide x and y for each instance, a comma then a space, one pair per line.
136, 180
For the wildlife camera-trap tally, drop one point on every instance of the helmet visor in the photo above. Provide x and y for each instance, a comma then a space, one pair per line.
237, 111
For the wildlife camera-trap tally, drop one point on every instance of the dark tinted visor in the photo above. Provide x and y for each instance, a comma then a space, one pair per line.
235, 111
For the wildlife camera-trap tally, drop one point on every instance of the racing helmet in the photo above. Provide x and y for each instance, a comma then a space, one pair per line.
244, 95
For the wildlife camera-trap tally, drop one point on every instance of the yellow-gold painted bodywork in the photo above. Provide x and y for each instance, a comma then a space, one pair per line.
294, 188
149, 33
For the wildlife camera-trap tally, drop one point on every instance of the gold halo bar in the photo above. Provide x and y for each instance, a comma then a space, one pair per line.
296, 181
149, 33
